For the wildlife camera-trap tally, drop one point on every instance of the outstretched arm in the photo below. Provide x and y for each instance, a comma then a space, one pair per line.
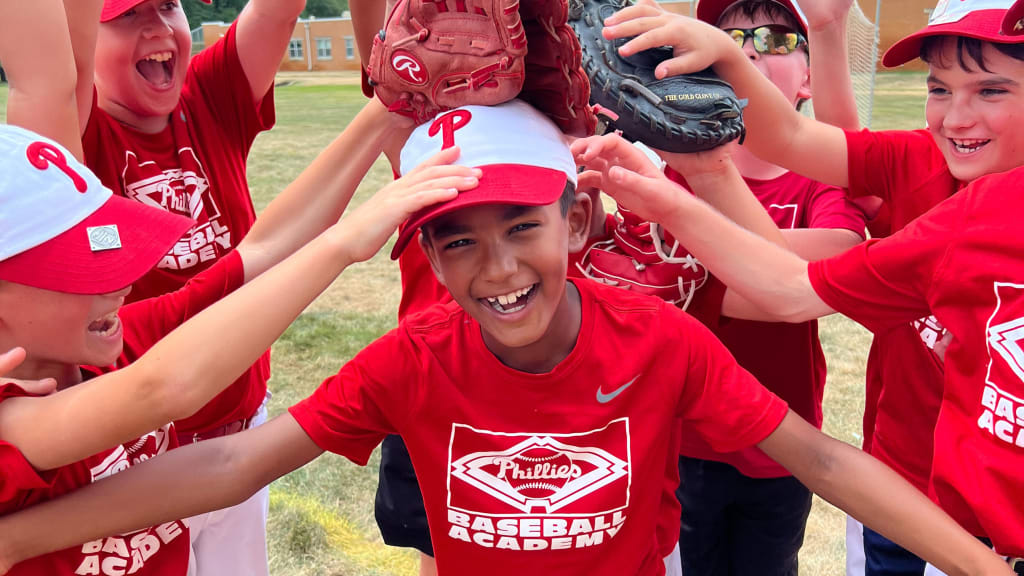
775, 131
831, 83
264, 29
35, 49
367, 20
83, 21
774, 279
318, 197
122, 405
190, 480
871, 492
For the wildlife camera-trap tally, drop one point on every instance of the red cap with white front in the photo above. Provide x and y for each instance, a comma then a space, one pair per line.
979, 19
524, 158
61, 230
114, 8
1013, 23
711, 11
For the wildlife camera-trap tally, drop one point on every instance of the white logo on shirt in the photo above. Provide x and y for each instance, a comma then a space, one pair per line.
538, 491
930, 329
184, 190
1002, 408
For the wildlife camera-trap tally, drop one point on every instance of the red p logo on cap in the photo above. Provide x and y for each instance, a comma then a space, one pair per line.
42, 155
448, 124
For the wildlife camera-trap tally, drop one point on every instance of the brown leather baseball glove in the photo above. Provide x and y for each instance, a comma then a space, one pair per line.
644, 258
438, 55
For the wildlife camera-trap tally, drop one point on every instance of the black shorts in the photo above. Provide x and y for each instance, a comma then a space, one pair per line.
734, 525
398, 506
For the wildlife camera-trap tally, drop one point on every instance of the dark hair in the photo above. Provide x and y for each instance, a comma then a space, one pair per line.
567, 199
769, 9
969, 51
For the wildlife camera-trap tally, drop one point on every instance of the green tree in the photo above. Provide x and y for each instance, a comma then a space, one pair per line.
221, 10
325, 8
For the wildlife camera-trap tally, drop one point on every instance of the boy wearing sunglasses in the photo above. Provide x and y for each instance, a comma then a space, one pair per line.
742, 513
976, 69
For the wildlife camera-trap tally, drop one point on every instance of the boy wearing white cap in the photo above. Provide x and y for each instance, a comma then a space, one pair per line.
521, 473
69, 252
173, 131
973, 112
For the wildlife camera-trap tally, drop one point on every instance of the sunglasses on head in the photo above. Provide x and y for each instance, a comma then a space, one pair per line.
770, 39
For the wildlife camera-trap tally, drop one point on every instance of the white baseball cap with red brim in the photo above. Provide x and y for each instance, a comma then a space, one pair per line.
114, 8
524, 158
1013, 23
711, 11
979, 19
61, 230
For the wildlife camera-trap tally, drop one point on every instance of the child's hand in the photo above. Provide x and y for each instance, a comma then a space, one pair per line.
821, 13
12, 359
701, 164
436, 180
625, 173
696, 45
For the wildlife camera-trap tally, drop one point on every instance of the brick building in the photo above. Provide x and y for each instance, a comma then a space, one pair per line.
329, 43
316, 44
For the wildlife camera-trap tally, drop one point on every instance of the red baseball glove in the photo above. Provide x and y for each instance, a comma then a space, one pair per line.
643, 257
441, 54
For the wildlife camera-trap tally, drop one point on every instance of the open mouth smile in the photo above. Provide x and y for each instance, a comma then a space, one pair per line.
158, 68
106, 326
968, 145
513, 301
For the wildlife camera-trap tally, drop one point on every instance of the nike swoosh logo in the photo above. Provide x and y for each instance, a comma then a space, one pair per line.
606, 398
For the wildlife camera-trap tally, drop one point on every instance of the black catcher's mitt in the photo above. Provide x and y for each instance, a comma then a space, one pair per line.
688, 113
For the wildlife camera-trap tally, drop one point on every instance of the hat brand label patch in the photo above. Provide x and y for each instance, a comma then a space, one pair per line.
102, 238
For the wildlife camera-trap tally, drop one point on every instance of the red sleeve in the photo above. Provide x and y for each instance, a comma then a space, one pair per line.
720, 401
147, 321
887, 162
216, 76
352, 411
18, 475
828, 207
885, 282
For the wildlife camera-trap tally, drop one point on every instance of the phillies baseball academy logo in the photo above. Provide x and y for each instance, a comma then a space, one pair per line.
1002, 400
183, 190
536, 491
128, 553
408, 67
784, 215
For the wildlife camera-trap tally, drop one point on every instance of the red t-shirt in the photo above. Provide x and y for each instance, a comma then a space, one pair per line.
908, 172
962, 263
160, 550
786, 358
543, 473
195, 167
421, 290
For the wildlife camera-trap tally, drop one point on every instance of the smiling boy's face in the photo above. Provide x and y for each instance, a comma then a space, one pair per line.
975, 115
506, 266
141, 60
56, 328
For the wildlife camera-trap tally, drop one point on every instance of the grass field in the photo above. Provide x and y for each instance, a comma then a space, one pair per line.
321, 519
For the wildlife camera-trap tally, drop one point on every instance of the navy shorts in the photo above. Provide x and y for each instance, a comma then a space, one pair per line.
398, 507
734, 525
